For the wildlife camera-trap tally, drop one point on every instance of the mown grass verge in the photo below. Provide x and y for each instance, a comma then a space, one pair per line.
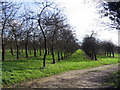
15, 71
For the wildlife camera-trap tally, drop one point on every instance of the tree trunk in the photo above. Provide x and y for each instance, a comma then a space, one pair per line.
45, 42
110, 53
17, 50
95, 56
58, 56
11, 50
3, 43
35, 52
17, 47
52, 52
61, 56
26, 50
113, 53
40, 51
45, 47
92, 56
3, 51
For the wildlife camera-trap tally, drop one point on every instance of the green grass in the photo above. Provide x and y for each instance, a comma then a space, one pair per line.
15, 71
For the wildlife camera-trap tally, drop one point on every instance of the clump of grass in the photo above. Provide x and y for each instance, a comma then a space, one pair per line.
114, 81
15, 71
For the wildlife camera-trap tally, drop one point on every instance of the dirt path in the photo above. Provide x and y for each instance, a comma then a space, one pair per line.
87, 78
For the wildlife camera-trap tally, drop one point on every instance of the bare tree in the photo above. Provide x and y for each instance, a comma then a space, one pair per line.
45, 5
108, 46
54, 23
16, 31
27, 33
90, 46
9, 42
8, 12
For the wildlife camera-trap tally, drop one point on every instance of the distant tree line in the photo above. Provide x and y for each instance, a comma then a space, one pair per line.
45, 31
93, 47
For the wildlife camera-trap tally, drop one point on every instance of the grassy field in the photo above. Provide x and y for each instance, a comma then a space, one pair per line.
15, 71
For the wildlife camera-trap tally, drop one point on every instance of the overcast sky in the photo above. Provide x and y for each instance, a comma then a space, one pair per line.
83, 16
